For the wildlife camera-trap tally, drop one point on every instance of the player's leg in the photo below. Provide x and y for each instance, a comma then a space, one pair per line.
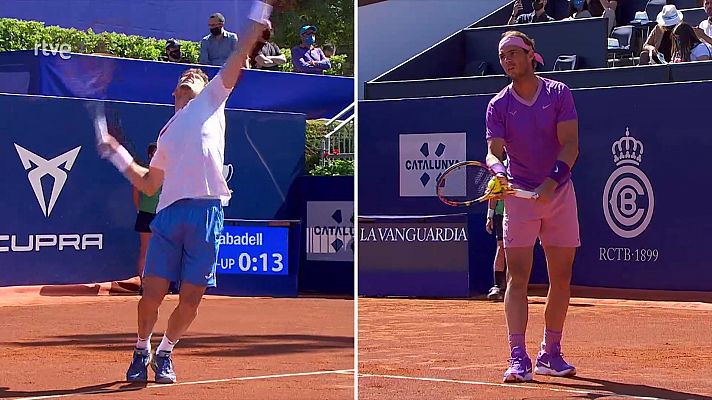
560, 237
163, 259
500, 277
155, 289
559, 262
144, 238
203, 223
521, 228
500, 281
178, 323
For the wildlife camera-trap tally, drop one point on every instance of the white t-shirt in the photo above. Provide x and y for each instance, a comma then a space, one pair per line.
700, 50
707, 27
191, 148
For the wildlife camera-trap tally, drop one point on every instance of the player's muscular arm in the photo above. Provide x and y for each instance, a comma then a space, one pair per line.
567, 132
495, 151
147, 180
232, 69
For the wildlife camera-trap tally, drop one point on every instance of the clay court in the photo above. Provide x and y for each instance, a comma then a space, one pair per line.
456, 349
60, 346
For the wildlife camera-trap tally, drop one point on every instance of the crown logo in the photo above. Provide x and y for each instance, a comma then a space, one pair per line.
627, 150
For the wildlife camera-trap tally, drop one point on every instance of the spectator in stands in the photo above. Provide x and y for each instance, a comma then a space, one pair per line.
579, 9
606, 9
307, 58
267, 55
173, 53
704, 30
686, 46
538, 15
329, 50
219, 44
659, 42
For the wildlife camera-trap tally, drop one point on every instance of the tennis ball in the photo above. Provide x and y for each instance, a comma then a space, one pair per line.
494, 186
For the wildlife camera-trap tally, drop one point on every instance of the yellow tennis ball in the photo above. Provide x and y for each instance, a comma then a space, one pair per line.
494, 186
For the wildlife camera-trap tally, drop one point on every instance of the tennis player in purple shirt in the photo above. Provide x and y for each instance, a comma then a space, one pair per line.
535, 120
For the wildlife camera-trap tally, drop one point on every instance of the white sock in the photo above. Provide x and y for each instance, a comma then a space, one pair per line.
166, 345
144, 344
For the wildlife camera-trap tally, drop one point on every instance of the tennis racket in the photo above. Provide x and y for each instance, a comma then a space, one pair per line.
468, 182
107, 128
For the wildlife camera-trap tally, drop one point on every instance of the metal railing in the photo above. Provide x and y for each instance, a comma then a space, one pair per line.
339, 142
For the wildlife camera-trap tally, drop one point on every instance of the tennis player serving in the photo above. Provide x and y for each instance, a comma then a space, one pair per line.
188, 164
535, 120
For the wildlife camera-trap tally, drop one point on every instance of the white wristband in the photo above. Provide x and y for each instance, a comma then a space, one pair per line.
490, 213
260, 12
121, 158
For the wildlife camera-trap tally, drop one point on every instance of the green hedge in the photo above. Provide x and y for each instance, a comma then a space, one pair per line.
316, 130
336, 167
24, 35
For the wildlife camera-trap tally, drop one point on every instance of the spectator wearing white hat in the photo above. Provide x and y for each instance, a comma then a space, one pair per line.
659, 42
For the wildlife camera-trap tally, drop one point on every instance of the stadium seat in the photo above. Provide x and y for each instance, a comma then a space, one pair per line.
683, 4
653, 8
624, 35
565, 63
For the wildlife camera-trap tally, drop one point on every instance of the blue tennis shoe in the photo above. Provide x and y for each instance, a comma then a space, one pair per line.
162, 365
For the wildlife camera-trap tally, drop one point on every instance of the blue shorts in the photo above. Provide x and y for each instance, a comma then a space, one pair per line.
184, 245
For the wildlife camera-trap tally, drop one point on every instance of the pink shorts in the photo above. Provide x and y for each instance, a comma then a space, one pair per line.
554, 223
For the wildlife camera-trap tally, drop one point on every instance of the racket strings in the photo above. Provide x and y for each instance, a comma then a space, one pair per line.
478, 178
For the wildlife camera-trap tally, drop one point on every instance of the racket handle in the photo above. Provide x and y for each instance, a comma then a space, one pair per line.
525, 194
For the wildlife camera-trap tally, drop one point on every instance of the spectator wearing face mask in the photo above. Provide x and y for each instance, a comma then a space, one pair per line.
538, 15
173, 53
219, 44
267, 55
579, 9
307, 58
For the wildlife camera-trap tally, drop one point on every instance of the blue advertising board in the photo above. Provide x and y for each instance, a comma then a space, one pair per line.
259, 258
253, 250
642, 164
67, 216
421, 256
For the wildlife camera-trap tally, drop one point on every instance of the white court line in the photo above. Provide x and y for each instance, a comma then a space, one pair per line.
511, 385
156, 385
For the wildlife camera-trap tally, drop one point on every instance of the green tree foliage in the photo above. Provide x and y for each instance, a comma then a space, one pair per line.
334, 20
24, 35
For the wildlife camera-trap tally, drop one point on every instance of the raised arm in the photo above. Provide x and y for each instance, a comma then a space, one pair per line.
232, 69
